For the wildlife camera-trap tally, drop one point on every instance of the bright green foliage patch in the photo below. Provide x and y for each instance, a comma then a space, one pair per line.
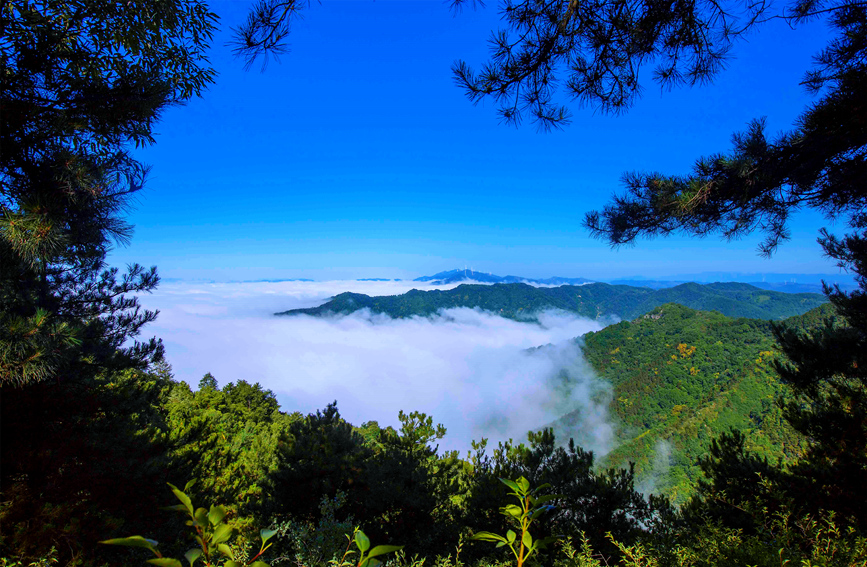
681, 378
227, 440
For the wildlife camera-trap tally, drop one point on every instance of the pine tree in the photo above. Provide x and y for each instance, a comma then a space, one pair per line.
83, 82
827, 371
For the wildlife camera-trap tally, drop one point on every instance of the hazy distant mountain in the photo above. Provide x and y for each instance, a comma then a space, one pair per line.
595, 300
280, 280
786, 283
781, 278
466, 275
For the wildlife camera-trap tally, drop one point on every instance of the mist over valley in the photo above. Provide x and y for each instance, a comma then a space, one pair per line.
476, 372
487, 360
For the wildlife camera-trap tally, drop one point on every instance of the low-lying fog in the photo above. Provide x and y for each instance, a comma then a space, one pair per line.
469, 369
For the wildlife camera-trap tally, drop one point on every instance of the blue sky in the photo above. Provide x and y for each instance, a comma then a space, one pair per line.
356, 155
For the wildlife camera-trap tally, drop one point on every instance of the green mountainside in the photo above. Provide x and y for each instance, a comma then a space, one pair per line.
680, 378
597, 300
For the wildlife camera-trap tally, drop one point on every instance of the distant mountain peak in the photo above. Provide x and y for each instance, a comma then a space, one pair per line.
471, 275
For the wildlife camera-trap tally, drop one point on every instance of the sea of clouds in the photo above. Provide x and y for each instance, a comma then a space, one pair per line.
475, 372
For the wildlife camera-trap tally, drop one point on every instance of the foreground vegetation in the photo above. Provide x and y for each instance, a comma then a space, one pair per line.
311, 480
94, 425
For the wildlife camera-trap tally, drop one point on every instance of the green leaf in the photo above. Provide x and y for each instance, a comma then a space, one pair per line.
362, 541
165, 562
524, 484
201, 517
225, 550
232, 564
267, 534
527, 540
259, 564
383, 549
510, 484
370, 563
512, 510
216, 515
510, 536
488, 536
133, 541
500, 544
192, 555
185, 500
222, 533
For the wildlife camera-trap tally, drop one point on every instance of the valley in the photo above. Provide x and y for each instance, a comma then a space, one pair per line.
686, 364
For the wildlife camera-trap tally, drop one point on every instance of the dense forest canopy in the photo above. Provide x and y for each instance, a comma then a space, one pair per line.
682, 378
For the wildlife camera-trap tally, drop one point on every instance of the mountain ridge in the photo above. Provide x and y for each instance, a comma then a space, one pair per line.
523, 302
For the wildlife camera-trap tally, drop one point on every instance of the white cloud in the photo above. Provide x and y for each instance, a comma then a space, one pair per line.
467, 368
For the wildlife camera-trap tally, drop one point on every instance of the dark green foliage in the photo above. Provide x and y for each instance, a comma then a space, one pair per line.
598, 50
826, 368
313, 544
820, 164
210, 532
394, 483
412, 489
317, 456
596, 301
83, 82
531, 504
745, 503
593, 502
64, 447
731, 475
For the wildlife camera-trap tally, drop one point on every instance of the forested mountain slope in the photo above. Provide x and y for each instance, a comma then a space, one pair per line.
680, 378
597, 300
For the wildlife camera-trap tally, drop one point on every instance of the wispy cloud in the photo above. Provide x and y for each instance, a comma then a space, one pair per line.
470, 369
